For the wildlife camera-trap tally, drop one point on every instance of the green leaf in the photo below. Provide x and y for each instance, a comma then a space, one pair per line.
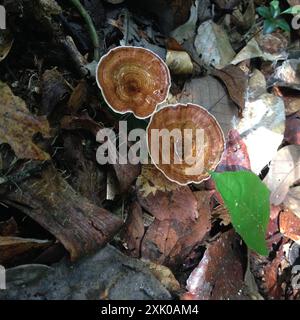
292, 10
275, 9
248, 201
264, 12
269, 26
274, 4
282, 24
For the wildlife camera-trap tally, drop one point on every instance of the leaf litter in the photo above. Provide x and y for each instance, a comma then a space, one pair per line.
61, 208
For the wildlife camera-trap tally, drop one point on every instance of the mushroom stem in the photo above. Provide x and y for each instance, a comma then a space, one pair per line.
91, 27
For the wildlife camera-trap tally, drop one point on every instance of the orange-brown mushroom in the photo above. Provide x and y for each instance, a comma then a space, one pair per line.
133, 79
196, 146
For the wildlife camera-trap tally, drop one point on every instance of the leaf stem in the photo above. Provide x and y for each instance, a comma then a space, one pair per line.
91, 27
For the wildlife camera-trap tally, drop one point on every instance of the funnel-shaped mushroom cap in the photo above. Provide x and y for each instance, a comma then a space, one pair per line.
134, 80
185, 142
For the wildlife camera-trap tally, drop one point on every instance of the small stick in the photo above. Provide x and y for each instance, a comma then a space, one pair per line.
91, 28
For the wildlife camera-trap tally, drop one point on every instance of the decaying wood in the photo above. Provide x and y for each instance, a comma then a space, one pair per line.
78, 224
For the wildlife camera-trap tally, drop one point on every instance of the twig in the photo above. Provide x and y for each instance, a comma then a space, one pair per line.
91, 28
75, 55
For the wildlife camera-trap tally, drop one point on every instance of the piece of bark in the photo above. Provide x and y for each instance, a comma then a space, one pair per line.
12, 248
78, 224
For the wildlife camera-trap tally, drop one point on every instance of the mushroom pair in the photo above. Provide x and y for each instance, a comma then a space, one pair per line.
136, 80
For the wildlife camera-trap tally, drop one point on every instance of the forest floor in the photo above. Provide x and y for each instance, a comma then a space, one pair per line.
71, 228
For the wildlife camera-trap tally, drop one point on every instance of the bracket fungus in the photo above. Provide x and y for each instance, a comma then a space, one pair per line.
133, 79
185, 142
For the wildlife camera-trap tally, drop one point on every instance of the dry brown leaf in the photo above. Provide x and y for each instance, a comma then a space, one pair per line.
288, 75
290, 97
18, 126
284, 171
133, 230
273, 43
152, 180
164, 275
13, 247
294, 2
292, 129
252, 50
213, 46
179, 204
219, 275
159, 240
289, 225
272, 275
292, 200
236, 156
126, 175
195, 232
177, 229
235, 81
78, 97
222, 213
210, 93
